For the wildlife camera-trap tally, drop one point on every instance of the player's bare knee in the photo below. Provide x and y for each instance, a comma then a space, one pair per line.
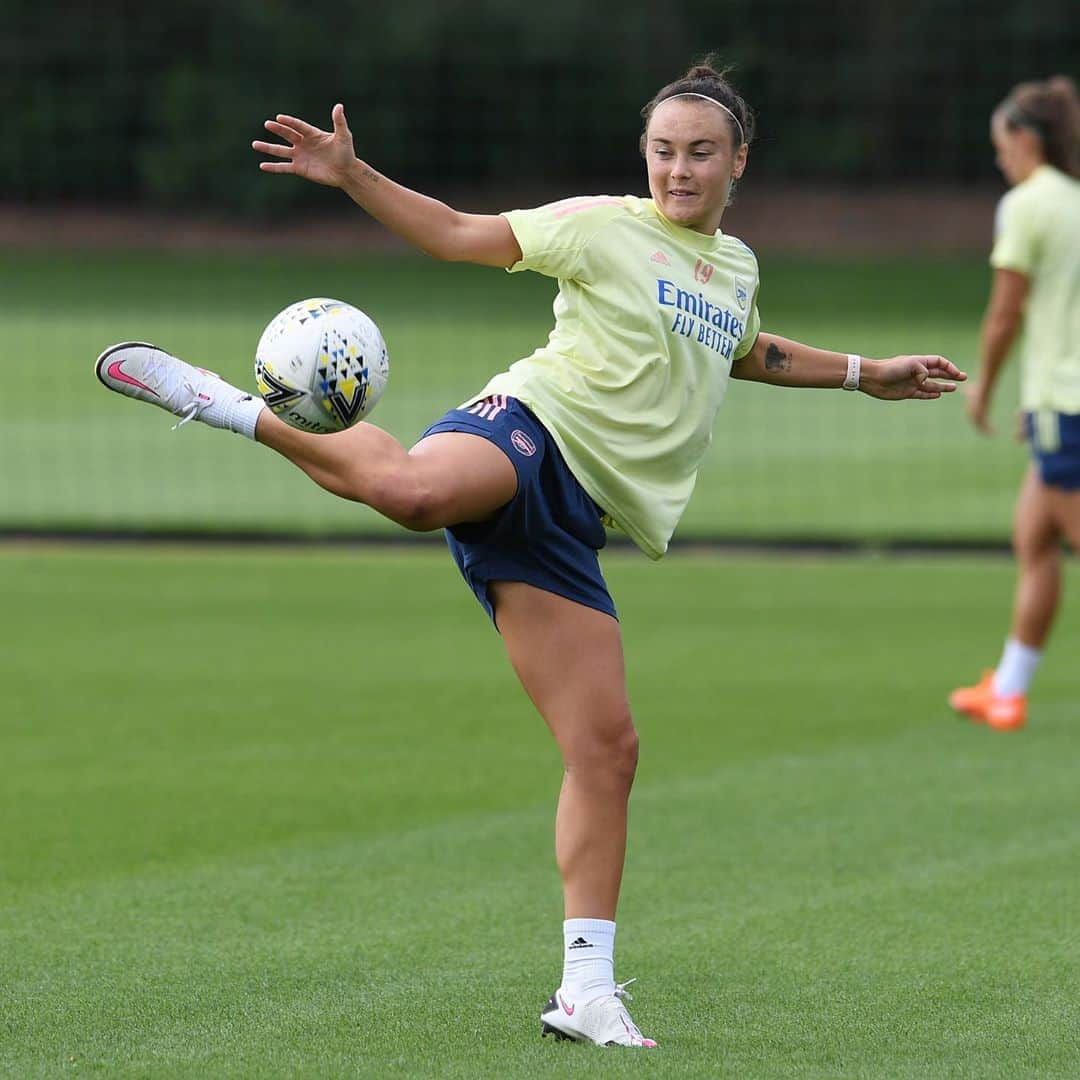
609, 752
629, 748
1033, 548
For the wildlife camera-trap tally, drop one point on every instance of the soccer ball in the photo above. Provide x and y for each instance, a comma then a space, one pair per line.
321, 365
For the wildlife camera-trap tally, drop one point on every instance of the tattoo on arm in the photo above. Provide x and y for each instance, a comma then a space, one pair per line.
369, 174
776, 359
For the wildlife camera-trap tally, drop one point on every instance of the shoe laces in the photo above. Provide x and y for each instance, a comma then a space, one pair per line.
622, 993
194, 407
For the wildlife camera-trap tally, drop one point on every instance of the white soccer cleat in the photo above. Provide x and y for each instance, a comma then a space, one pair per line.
147, 373
603, 1021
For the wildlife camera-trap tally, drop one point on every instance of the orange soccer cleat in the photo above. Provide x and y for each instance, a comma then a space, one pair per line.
1003, 712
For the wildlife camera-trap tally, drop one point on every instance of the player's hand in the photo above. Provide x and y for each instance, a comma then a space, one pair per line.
902, 377
324, 157
978, 406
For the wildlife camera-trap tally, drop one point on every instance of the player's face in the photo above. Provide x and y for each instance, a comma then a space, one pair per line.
1012, 149
691, 158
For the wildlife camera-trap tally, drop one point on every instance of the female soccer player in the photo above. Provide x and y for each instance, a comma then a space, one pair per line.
1036, 260
605, 424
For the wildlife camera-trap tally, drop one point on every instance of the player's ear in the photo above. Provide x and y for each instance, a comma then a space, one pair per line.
739, 166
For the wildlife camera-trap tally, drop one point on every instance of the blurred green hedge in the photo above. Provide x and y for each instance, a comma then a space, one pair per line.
119, 102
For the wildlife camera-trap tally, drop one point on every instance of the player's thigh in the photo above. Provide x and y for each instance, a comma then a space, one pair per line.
1035, 525
569, 658
465, 477
1066, 509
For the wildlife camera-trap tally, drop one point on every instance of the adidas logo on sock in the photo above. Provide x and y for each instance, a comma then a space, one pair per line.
580, 943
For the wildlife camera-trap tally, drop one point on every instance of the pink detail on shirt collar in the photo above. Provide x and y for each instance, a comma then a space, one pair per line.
585, 203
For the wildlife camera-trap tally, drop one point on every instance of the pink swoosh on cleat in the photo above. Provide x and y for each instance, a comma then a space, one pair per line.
116, 372
568, 1009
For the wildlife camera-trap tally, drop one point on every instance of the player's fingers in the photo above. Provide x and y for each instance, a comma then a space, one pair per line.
284, 131
337, 115
942, 368
297, 124
938, 387
276, 166
274, 149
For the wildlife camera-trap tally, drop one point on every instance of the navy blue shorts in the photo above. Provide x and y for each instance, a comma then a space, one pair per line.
1055, 445
549, 534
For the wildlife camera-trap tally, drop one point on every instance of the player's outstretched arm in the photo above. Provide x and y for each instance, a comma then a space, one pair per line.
328, 157
1001, 323
782, 362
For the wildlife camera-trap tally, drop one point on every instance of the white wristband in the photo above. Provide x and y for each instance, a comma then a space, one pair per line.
854, 366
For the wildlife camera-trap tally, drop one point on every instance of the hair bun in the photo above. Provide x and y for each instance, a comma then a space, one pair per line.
706, 68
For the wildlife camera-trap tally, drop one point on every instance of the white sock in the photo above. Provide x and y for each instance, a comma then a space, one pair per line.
234, 410
1017, 668
588, 958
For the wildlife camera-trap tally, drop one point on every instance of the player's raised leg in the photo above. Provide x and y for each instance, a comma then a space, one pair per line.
569, 658
445, 479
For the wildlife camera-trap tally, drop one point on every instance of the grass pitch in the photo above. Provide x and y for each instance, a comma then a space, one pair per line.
288, 814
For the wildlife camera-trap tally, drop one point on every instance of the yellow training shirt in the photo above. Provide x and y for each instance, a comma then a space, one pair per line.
1037, 234
648, 318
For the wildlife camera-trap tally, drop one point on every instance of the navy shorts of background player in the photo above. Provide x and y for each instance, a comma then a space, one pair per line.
1055, 445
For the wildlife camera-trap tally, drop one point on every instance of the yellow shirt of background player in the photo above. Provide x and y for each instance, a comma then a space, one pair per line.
1036, 234
648, 318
